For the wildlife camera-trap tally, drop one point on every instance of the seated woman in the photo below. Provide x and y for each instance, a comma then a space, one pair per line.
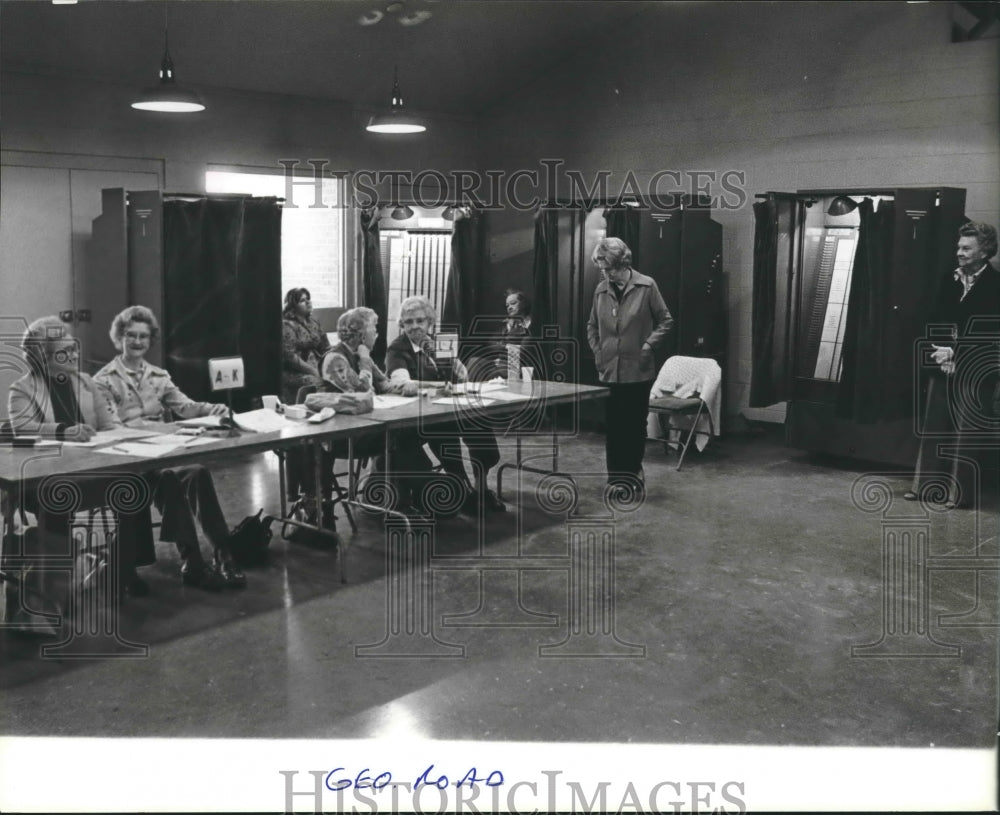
144, 396
515, 332
55, 400
410, 357
303, 343
349, 368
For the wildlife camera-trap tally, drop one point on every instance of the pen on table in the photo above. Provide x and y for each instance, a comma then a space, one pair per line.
120, 450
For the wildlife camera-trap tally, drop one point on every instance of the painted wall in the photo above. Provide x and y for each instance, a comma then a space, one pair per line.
64, 138
788, 95
783, 96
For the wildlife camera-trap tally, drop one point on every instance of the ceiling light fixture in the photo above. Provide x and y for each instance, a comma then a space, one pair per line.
842, 205
395, 121
402, 213
168, 96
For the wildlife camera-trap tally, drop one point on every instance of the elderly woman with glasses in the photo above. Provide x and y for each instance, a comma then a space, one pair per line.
410, 358
146, 396
348, 367
56, 400
963, 389
628, 323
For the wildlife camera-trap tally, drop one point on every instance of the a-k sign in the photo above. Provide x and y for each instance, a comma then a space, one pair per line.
226, 373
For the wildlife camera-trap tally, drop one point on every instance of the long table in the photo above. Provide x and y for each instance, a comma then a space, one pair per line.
29, 466
539, 395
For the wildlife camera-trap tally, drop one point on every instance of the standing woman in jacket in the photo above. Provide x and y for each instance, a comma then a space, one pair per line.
628, 322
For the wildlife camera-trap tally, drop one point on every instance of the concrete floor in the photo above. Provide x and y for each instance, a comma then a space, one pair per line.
740, 587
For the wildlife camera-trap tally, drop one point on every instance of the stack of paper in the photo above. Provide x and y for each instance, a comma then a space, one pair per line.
385, 401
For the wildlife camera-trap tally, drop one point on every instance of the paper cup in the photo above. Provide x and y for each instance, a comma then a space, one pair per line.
270, 402
527, 373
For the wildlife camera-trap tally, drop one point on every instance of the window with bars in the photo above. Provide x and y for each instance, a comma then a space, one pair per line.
415, 261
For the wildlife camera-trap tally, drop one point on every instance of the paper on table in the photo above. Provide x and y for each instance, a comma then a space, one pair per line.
478, 387
508, 396
262, 421
384, 401
463, 401
205, 421
177, 440
139, 449
113, 435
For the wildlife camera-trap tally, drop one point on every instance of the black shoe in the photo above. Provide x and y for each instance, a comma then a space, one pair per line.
202, 576
231, 575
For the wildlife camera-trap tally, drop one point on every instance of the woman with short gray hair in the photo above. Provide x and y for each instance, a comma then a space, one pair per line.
628, 323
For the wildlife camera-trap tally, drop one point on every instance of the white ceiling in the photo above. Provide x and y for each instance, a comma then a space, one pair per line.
464, 57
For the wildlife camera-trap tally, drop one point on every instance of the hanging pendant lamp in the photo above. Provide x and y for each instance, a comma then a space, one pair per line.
168, 96
402, 213
396, 120
842, 205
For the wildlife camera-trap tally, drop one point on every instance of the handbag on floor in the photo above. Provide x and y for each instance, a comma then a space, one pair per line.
249, 539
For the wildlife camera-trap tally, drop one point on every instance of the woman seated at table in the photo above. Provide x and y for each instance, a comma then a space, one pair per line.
410, 357
515, 333
349, 368
55, 400
145, 396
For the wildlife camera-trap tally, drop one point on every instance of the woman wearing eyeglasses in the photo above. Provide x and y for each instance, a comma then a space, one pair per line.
146, 396
55, 400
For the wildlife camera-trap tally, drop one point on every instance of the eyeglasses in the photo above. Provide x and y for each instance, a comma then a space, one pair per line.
136, 335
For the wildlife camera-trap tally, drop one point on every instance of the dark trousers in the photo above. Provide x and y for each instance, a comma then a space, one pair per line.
944, 426
446, 444
55, 506
627, 409
182, 494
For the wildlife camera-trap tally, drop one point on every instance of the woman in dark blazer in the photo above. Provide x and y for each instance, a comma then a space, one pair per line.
963, 388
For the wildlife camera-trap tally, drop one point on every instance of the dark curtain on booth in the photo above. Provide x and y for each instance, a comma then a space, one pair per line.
222, 293
468, 264
623, 222
867, 391
773, 231
544, 267
373, 289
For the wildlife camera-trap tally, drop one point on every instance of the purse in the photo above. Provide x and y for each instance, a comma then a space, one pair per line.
249, 540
